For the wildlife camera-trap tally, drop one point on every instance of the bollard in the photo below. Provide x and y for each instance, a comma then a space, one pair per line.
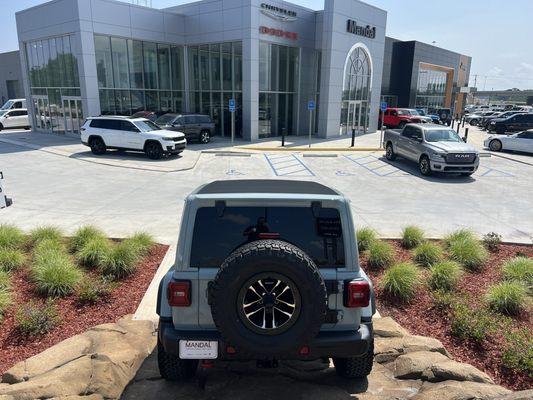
453, 123
466, 135
464, 120
353, 137
283, 133
458, 127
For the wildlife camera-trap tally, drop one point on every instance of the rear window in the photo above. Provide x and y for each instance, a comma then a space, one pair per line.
215, 237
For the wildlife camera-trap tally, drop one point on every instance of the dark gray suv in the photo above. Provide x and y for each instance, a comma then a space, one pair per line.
197, 127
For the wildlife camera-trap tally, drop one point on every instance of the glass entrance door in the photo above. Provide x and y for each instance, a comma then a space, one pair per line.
41, 112
72, 114
356, 117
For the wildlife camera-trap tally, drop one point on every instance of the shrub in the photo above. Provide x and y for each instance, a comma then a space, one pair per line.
492, 241
92, 290
11, 237
121, 260
469, 253
46, 249
518, 351
143, 242
519, 269
401, 281
427, 254
380, 254
473, 324
5, 301
507, 297
443, 300
11, 259
83, 235
35, 320
444, 275
365, 236
42, 233
459, 235
5, 280
55, 275
412, 236
94, 252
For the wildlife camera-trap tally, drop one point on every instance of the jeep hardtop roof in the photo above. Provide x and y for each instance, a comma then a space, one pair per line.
267, 186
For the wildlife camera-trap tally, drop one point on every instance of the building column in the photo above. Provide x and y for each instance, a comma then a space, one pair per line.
85, 53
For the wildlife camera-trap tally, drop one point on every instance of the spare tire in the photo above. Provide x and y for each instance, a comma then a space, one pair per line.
268, 299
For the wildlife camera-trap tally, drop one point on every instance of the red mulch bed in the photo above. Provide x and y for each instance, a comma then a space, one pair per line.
74, 317
421, 318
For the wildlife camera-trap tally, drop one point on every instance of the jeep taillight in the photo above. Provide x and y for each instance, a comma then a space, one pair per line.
356, 294
179, 294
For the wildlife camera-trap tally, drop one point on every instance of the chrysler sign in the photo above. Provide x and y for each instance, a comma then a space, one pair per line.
281, 14
366, 31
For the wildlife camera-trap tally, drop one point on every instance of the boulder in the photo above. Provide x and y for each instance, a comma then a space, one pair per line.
54, 357
413, 365
453, 370
521, 395
93, 396
388, 349
454, 390
387, 327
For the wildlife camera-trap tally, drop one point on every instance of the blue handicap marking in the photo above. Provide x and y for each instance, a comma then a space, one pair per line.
344, 173
492, 172
231, 105
234, 172
311, 105
384, 106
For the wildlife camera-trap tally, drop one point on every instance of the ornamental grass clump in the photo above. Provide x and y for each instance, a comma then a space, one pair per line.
401, 281
508, 298
427, 254
142, 242
469, 253
380, 254
95, 252
92, 290
11, 259
492, 241
54, 273
11, 237
121, 261
461, 234
5, 280
444, 276
365, 237
49, 233
412, 236
519, 269
83, 235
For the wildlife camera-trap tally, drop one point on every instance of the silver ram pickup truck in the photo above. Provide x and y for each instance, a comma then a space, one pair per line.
435, 148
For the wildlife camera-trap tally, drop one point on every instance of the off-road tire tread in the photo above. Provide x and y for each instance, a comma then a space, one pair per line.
272, 247
172, 368
355, 367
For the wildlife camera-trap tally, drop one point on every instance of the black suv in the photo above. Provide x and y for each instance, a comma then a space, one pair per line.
516, 123
195, 126
445, 115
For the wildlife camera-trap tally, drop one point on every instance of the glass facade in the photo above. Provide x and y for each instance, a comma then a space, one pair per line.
54, 84
215, 77
278, 89
431, 89
356, 91
135, 75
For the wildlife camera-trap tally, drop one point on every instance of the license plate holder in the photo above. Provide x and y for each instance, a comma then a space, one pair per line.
198, 349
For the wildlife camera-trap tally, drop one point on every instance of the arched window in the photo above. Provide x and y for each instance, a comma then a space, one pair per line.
356, 90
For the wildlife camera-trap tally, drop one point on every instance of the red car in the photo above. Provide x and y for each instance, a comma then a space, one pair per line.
398, 118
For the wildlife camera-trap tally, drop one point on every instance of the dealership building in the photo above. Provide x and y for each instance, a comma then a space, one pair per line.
289, 69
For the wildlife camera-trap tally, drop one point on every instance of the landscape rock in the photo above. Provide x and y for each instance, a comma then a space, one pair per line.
413, 365
454, 390
453, 370
387, 327
521, 395
388, 349
93, 396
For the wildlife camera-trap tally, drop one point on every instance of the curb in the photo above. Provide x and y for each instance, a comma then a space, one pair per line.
305, 149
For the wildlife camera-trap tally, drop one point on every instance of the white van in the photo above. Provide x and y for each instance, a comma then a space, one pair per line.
14, 104
14, 119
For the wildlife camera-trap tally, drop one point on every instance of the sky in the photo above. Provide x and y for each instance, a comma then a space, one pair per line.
495, 33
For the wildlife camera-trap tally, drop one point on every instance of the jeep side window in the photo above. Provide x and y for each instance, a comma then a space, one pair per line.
215, 236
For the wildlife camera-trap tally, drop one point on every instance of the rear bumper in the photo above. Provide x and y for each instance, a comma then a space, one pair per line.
325, 344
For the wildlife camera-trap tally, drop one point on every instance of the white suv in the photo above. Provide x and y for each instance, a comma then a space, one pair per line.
14, 119
138, 134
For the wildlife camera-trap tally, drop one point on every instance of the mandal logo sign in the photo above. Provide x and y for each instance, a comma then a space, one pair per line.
366, 31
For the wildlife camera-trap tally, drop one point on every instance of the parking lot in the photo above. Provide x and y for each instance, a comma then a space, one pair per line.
52, 183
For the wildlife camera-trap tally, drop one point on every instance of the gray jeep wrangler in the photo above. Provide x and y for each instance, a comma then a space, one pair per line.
265, 270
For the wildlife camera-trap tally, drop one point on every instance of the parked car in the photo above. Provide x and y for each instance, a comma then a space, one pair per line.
197, 127
474, 119
151, 115
398, 118
445, 114
266, 272
126, 133
435, 149
515, 123
434, 118
423, 119
14, 118
485, 121
522, 141
14, 104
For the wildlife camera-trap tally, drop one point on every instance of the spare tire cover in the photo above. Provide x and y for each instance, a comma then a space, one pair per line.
268, 299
